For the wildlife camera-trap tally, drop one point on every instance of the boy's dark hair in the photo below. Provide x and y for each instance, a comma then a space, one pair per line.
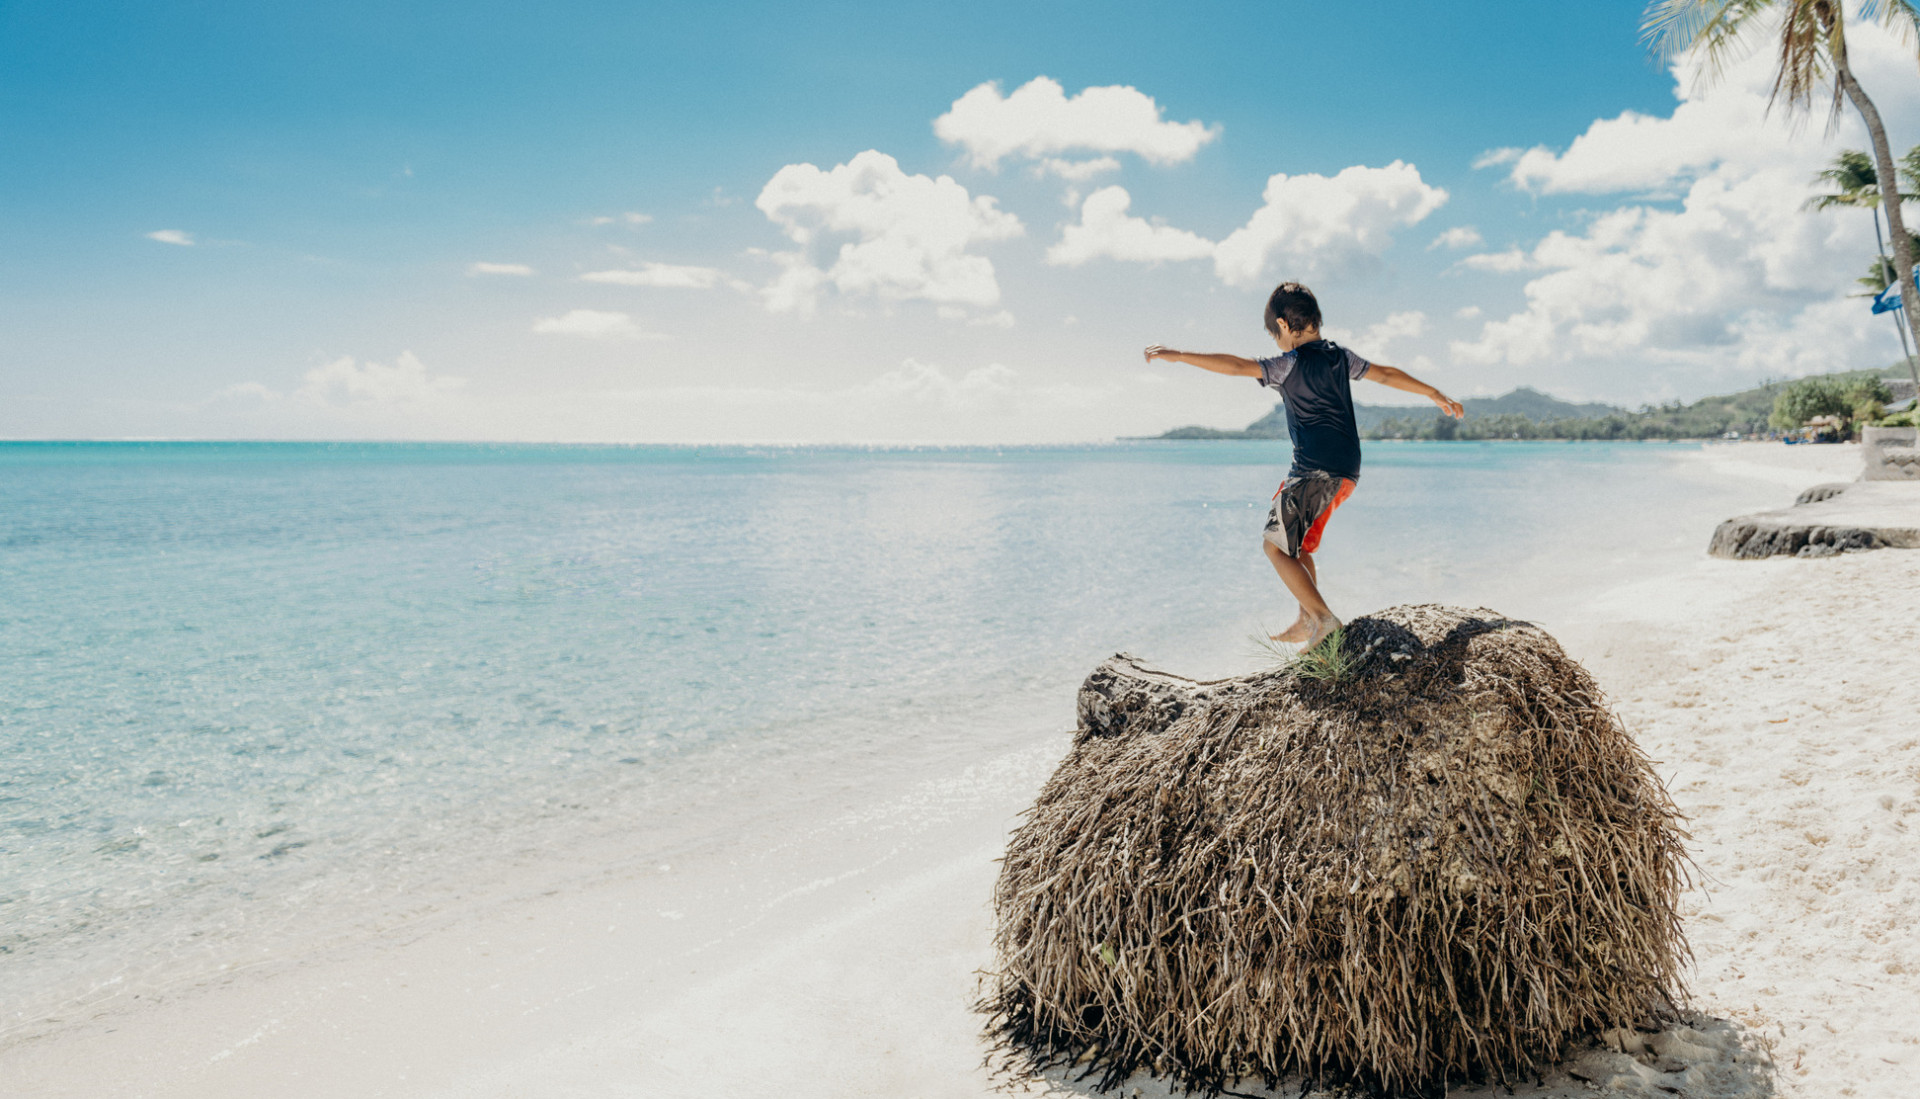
1295, 304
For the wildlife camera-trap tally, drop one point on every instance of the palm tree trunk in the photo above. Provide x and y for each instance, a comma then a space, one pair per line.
1903, 258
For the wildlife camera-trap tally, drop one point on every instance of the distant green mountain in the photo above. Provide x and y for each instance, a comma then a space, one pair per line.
1530, 404
1744, 412
1530, 414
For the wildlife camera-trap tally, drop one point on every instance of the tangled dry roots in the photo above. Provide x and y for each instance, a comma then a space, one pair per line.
1441, 867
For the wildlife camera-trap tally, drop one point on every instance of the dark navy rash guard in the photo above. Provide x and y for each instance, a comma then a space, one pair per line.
1313, 383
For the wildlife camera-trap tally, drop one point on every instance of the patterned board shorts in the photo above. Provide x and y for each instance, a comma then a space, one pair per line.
1301, 508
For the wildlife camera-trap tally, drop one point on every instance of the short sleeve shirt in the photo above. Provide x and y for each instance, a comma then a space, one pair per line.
1313, 381
1274, 370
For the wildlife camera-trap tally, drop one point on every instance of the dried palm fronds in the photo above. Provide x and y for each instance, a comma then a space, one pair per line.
1441, 865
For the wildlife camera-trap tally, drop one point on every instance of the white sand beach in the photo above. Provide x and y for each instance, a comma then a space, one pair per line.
826, 951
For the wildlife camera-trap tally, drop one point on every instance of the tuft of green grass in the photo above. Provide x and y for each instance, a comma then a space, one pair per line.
1327, 662
1265, 646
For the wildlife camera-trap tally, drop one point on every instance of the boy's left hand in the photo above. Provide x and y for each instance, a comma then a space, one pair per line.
1450, 406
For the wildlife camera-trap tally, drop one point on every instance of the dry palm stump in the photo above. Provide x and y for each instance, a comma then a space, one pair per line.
1442, 864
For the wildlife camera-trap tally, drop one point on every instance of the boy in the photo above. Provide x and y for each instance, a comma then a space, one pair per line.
1311, 375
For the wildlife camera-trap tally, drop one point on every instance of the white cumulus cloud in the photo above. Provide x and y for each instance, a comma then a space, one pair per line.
172, 236
658, 275
1106, 230
1310, 224
900, 237
343, 382
483, 268
1314, 223
1736, 281
591, 324
1716, 125
1040, 120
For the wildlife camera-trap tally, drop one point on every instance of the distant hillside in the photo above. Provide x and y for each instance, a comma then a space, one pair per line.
1528, 403
1744, 412
1530, 414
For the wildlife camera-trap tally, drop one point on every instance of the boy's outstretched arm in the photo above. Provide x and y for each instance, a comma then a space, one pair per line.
1395, 378
1219, 364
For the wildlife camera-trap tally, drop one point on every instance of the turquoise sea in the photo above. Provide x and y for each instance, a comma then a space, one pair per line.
245, 684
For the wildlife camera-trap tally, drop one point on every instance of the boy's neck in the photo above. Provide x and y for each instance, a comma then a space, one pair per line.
1289, 339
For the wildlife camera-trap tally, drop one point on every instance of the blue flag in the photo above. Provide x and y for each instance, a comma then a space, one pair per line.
1886, 301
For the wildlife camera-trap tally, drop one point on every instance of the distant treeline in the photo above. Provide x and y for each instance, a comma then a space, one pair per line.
1528, 414
1671, 421
1746, 412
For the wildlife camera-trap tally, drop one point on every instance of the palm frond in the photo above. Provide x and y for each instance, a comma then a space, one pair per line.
1898, 16
1714, 28
1877, 279
1909, 171
1855, 181
1803, 61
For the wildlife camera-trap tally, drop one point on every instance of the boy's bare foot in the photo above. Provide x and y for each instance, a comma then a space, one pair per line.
1321, 628
1297, 632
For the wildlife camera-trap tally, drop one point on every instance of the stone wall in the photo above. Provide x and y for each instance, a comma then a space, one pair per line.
1891, 454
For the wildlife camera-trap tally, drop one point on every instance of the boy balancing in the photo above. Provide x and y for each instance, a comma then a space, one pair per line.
1311, 375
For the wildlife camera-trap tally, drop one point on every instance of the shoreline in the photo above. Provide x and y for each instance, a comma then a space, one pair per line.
830, 950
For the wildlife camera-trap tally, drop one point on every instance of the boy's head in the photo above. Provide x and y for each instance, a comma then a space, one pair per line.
1293, 306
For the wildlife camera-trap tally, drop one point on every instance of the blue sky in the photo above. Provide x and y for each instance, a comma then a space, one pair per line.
264, 220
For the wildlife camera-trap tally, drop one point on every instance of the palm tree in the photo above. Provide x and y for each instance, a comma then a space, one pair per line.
1812, 49
1880, 275
1855, 183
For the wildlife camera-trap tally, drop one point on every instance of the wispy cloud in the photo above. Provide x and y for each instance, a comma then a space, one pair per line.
630, 217
1075, 171
1460, 236
172, 236
1513, 259
344, 383
658, 275
484, 268
592, 324
407, 381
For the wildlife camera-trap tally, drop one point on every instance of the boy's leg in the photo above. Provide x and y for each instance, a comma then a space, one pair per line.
1300, 512
1299, 579
1303, 625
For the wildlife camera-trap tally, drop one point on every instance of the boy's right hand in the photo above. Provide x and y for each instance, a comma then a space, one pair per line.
1159, 351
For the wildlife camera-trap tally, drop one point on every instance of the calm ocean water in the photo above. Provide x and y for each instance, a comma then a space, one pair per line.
236, 678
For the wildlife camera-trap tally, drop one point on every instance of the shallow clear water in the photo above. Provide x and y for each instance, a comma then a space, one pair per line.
231, 674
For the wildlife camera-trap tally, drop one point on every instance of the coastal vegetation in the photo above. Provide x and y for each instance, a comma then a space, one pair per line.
1529, 414
1845, 399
